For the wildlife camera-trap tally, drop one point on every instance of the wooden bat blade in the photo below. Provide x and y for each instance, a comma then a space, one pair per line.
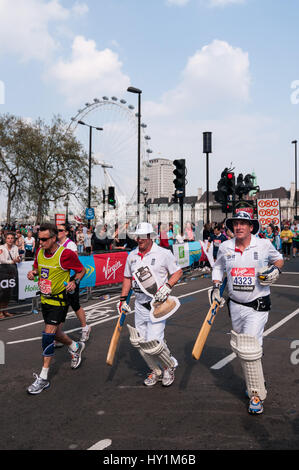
113, 344
204, 331
116, 334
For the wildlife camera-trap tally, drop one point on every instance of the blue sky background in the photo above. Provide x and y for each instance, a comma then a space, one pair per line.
225, 66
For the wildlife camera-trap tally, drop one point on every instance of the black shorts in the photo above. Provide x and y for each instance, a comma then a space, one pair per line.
54, 314
73, 299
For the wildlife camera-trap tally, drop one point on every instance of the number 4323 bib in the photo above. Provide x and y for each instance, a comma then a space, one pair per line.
243, 279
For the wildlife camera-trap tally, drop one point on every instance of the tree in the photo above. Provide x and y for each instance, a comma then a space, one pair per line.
51, 162
11, 166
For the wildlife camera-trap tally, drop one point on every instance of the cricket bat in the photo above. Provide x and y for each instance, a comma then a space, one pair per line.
206, 326
116, 334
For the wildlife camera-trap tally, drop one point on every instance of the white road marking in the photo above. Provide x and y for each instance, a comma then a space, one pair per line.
101, 445
232, 356
91, 324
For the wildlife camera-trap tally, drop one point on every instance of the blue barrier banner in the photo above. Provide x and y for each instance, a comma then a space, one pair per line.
89, 280
195, 252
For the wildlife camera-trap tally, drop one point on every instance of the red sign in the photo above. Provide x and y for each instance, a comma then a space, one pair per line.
249, 210
59, 219
110, 268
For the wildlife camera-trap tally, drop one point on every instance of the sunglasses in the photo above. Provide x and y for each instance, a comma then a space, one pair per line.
61, 230
44, 239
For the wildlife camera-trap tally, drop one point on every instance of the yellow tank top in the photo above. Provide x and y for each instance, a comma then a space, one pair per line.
52, 277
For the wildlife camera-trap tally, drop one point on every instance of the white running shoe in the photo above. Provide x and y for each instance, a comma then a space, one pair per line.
152, 379
38, 385
168, 376
76, 356
85, 335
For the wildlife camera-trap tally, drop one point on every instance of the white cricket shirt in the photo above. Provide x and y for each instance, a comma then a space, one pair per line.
242, 268
161, 262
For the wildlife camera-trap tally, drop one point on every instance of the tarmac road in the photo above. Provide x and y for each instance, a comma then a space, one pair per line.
109, 408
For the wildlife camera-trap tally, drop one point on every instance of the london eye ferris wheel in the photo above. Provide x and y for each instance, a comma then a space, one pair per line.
114, 148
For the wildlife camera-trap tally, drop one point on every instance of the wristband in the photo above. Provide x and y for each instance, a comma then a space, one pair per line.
123, 298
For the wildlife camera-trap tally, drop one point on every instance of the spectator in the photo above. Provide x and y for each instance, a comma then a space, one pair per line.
9, 254
163, 237
189, 234
269, 234
87, 241
207, 232
100, 240
20, 243
286, 236
295, 231
29, 245
80, 240
216, 238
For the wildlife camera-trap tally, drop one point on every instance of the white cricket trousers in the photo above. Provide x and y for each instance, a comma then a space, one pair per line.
248, 321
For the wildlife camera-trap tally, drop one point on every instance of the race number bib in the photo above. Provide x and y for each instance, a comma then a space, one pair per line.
243, 279
45, 286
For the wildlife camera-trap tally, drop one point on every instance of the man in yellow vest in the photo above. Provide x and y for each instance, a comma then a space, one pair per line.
52, 265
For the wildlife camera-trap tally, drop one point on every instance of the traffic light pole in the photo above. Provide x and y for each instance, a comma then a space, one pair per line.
208, 199
182, 214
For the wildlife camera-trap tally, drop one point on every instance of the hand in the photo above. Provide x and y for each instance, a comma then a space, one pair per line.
214, 295
31, 275
70, 286
123, 306
162, 293
268, 275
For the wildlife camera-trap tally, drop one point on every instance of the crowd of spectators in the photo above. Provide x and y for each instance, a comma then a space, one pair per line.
102, 238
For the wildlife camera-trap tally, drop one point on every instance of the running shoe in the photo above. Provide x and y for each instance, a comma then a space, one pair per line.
76, 356
85, 335
255, 406
38, 385
152, 379
168, 376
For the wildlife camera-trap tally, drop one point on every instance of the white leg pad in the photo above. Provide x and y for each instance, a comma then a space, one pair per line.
250, 352
135, 339
159, 351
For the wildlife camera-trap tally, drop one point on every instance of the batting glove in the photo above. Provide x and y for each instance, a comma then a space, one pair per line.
214, 295
268, 275
162, 293
123, 306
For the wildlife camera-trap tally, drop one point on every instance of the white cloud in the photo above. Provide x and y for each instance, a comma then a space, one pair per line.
80, 9
215, 76
223, 3
88, 72
179, 3
24, 27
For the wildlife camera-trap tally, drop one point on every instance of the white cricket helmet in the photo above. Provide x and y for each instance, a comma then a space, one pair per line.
242, 215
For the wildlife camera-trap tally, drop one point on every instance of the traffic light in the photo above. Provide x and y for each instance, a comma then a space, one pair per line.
240, 187
207, 142
180, 177
111, 196
248, 181
230, 182
226, 207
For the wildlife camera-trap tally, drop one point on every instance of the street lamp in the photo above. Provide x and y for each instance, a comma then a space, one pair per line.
296, 202
89, 170
131, 89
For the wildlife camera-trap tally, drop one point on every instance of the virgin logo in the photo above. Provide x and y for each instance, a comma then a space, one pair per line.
110, 271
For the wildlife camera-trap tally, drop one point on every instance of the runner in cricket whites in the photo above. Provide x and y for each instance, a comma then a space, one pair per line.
52, 265
251, 264
151, 271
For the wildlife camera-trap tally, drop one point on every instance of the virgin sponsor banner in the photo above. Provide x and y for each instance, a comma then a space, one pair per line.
268, 211
110, 268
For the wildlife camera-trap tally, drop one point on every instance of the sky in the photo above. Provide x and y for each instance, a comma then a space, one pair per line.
226, 66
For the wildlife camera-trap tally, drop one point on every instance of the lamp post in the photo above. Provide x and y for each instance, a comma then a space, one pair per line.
89, 160
296, 202
131, 89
